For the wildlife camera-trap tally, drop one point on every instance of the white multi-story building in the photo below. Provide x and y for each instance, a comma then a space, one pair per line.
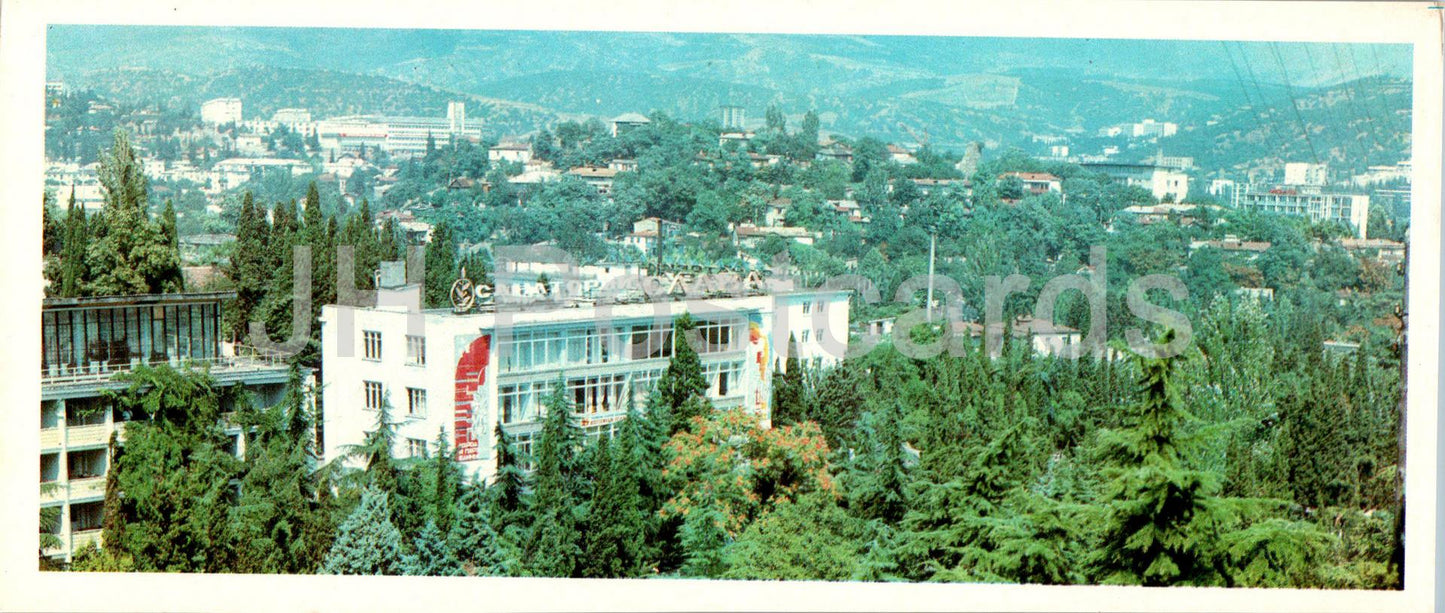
1314, 203
1151, 128
460, 375
293, 119
404, 136
1303, 173
221, 111
85, 342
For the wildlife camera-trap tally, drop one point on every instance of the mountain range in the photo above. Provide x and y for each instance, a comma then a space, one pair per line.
947, 90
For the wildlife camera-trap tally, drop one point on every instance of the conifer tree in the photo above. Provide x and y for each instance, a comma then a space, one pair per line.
434, 555
616, 524
74, 274
441, 265
704, 540
476, 542
506, 494
1160, 521
788, 404
554, 547
132, 255
249, 268
682, 384
881, 473
367, 543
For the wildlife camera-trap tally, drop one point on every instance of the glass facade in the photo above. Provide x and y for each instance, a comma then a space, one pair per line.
91, 339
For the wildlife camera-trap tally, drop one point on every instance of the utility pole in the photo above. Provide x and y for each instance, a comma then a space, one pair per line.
932, 243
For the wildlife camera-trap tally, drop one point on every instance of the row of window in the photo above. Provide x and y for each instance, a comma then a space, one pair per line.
415, 347
529, 350
375, 396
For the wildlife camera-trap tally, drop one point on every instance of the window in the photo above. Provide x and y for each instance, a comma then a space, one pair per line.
807, 308
415, 402
818, 335
85, 464
416, 448
49, 467
416, 350
373, 394
371, 341
805, 335
86, 516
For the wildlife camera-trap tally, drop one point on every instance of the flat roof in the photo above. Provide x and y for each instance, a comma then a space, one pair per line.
136, 300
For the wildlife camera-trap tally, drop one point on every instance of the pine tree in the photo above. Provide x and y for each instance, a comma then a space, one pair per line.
703, 542
434, 556
682, 384
367, 543
554, 548
1160, 521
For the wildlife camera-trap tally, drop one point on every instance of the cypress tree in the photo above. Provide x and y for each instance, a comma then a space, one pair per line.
441, 265
506, 497
788, 405
72, 259
616, 524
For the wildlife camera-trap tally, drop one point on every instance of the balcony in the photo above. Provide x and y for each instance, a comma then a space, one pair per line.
54, 492
49, 438
94, 434
247, 359
87, 488
79, 540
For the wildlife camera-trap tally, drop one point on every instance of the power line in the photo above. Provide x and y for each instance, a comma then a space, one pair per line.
1294, 103
1329, 111
1253, 108
1364, 115
1259, 91
1381, 75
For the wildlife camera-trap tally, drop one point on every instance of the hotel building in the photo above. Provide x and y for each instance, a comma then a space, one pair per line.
461, 374
85, 342
1312, 202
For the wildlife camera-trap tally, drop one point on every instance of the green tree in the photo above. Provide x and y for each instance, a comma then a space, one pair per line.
1160, 520
131, 254
682, 384
441, 265
174, 479
367, 543
616, 526
704, 539
434, 555
811, 538
74, 274
555, 546
789, 404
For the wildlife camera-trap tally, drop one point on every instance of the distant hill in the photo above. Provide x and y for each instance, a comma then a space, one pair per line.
263, 89
948, 90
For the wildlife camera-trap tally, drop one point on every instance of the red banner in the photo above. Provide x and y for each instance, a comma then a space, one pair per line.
471, 374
